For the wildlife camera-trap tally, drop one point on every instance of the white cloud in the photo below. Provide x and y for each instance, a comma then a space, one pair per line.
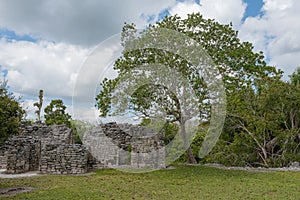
27, 105
77, 27
81, 22
57, 68
184, 8
275, 5
29, 108
223, 11
277, 33
85, 113
43, 65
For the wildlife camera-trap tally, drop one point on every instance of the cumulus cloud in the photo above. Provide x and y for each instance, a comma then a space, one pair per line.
276, 32
63, 71
43, 65
77, 27
97, 66
85, 113
223, 11
27, 105
81, 22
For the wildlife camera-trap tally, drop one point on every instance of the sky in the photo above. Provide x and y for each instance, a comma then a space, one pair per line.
44, 44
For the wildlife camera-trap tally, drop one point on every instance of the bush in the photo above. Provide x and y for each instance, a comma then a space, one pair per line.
11, 113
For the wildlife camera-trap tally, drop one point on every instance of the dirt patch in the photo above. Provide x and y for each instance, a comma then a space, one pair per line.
13, 191
3, 174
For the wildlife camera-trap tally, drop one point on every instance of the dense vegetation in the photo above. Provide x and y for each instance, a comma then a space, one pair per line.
55, 113
262, 114
262, 126
11, 113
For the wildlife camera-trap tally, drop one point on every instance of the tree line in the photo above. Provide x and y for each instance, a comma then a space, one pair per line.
262, 113
12, 114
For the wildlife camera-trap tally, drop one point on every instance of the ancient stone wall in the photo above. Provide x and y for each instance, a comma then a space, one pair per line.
48, 134
94, 163
101, 147
3, 158
22, 154
64, 159
121, 145
50, 149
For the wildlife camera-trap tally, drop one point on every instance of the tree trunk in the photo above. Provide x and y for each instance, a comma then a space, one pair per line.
189, 154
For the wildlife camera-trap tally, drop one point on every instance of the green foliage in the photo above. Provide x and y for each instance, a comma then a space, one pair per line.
169, 129
55, 113
262, 127
295, 77
11, 113
79, 128
236, 61
199, 138
129, 148
239, 152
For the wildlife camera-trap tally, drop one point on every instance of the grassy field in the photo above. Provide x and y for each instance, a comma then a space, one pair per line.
184, 182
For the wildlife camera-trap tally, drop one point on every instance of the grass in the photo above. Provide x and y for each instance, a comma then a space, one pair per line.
184, 182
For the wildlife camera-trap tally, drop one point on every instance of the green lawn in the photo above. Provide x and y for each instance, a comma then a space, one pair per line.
184, 182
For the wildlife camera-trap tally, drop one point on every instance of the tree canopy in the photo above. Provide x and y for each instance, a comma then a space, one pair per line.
11, 113
237, 63
262, 126
295, 76
55, 113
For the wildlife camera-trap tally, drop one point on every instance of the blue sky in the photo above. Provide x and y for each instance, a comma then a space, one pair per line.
10, 35
43, 44
254, 8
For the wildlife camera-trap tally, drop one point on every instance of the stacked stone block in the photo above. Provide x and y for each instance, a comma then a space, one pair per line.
22, 155
3, 158
121, 145
25, 152
50, 149
64, 159
102, 148
48, 134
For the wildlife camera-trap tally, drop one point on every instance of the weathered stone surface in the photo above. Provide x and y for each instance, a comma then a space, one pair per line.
22, 154
126, 145
50, 149
3, 158
48, 134
64, 159
295, 165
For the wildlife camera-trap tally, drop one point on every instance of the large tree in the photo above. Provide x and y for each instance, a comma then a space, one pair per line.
262, 125
295, 77
55, 113
236, 62
11, 113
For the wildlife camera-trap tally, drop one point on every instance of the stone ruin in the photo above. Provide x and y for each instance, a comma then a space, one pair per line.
51, 149
126, 145
3, 160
